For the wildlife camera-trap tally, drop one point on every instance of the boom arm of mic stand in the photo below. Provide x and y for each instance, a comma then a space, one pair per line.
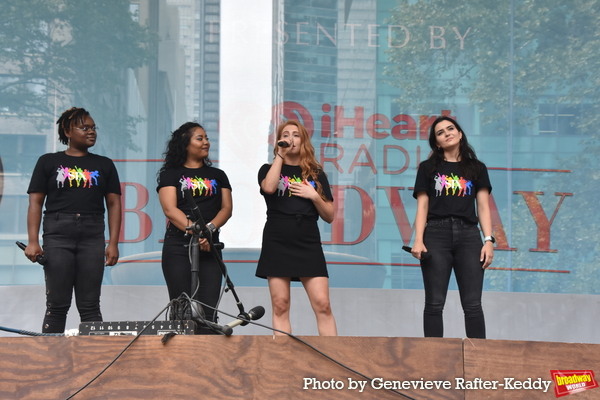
199, 227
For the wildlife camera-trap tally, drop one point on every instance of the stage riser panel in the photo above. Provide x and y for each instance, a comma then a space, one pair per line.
263, 367
499, 359
238, 367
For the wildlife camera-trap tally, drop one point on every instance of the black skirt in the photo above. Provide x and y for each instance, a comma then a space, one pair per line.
291, 248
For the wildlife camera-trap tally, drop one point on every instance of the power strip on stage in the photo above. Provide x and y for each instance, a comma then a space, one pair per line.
133, 328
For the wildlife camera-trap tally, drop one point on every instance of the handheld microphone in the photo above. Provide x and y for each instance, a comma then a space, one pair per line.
40, 259
424, 255
252, 315
283, 143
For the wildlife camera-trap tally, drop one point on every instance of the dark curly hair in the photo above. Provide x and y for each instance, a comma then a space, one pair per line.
468, 162
66, 120
176, 153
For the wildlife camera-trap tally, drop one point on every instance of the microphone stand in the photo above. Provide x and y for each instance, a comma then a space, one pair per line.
199, 230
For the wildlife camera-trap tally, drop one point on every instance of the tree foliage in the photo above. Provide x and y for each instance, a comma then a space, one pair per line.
534, 52
55, 54
554, 53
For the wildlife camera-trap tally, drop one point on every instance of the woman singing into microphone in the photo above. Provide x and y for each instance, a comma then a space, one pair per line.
297, 193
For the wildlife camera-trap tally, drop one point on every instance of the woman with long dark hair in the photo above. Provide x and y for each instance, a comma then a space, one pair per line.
297, 193
74, 184
452, 189
187, 166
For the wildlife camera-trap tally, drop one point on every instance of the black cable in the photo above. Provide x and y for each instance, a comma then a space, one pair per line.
120, 354
201, 319
29, 333
223, 287
309, 346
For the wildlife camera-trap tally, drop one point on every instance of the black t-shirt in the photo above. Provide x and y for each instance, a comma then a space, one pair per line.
205, 183
74, 184
449, 193
282, 201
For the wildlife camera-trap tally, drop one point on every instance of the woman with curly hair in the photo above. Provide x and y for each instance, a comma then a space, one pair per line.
448, 186
74, 184
187, 166
297, 193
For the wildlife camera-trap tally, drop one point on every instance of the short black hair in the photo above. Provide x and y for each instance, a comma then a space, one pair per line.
65, 122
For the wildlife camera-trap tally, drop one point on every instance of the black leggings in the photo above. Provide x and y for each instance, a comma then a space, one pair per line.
176, 268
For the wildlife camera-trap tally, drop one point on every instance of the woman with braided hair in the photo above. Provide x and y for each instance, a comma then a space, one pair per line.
74, 186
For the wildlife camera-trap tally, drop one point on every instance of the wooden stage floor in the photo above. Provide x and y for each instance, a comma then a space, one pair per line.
263, 367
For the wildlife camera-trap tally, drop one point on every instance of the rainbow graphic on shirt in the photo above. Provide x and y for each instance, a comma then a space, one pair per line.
76, 176
199, 186
459, 186
284, 184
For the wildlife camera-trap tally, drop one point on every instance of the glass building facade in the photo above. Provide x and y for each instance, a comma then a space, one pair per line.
366, 78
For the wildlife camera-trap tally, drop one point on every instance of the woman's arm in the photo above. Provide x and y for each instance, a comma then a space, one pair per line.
420, 222
306, 190
113, 205
34, 220
226, 209
167, 196
485, 221
325, 209
271, 181
222, 216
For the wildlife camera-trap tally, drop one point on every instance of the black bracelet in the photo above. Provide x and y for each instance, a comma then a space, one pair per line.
280, 156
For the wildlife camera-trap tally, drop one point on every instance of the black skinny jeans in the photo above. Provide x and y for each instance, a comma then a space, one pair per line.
455, 244
176, 268
74, 250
